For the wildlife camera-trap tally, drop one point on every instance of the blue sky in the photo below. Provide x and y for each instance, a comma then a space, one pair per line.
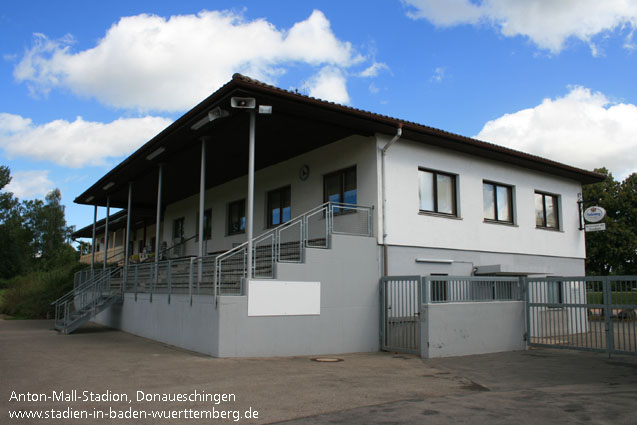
83, 83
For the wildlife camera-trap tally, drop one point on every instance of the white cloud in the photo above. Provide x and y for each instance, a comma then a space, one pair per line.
78, 143
438, 75
147, 62
583, 128
30, 184
329, 84
548, 23
373, 70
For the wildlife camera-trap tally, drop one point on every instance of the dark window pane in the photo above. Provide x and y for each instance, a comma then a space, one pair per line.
286, 214
333, 188
349, 186
350, 196
539, 210
279, 208
236, 217
340, 187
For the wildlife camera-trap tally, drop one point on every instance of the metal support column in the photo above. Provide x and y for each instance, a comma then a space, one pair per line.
202, 202
250, 206
128, 238
158, 222
108, 211
93, 244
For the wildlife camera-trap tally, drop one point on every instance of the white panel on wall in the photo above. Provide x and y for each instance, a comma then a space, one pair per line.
281, 298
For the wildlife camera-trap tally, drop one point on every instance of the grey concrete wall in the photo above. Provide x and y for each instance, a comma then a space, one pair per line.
460, 329
193, 327
402, 261
349, 315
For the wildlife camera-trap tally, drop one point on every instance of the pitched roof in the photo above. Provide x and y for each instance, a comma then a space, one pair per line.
320, 121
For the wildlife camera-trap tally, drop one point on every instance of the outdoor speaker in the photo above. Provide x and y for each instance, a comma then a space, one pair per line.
243, 102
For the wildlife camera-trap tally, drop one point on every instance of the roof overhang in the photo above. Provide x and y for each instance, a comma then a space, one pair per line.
297, 125
116, 221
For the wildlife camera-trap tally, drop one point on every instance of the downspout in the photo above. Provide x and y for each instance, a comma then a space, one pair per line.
399, 132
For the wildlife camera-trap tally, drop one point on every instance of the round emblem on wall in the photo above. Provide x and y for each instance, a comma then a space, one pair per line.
304, 172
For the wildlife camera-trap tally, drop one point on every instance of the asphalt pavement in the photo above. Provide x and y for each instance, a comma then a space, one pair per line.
525, 387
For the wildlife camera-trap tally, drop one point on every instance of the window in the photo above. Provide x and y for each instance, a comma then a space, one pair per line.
340, 187
438, 288
237, 217
207, 225
437, 192
546, 213
554, 294
279, 210
178, 228
498, 202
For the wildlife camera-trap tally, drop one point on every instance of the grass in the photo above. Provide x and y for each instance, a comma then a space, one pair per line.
30, 296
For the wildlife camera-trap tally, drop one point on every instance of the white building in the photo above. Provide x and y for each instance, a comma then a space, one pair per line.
418, 201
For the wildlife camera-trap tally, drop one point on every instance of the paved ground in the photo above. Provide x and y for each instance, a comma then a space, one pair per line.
536, 386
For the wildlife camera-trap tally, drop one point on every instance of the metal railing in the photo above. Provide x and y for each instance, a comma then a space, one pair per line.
223, 274
590, 313
287, 243
86, 296
453, 289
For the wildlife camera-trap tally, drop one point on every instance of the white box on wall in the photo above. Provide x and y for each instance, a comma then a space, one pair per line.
283, 298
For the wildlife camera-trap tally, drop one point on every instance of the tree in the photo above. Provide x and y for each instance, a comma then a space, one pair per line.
14, 238
33, 233
50, 236
613, 251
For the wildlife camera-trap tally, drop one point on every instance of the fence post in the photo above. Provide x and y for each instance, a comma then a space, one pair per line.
190, 278
136, 279
170, 280
426, 283
608, 315
524, 281
216, 279
383, 311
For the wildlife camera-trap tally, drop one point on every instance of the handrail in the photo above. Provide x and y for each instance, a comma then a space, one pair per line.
89, 282
163, 251
65, 303
274, 229
275, 234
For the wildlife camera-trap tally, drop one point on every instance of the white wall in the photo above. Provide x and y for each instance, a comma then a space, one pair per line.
305, 195
406, 227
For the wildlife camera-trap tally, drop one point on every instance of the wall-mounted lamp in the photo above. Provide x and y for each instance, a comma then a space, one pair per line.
212, 115
156, 153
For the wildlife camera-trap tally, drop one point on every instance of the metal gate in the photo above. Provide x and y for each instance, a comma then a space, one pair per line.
400, 314
583, 313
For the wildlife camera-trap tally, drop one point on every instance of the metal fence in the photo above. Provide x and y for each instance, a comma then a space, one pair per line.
584, 313
189, 276
448, 289
403, 296
86, 295
400, 311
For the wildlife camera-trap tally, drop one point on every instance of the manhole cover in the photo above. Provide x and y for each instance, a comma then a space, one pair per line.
327, 359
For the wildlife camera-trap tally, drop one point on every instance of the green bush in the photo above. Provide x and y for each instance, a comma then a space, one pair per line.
30, 296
